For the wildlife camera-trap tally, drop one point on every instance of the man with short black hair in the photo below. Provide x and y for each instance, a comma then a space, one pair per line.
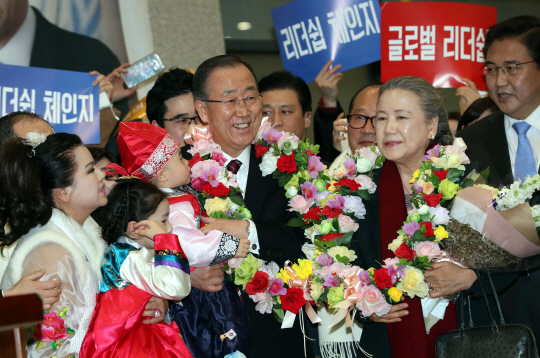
170, 105
17, 124
286, 101
508, 141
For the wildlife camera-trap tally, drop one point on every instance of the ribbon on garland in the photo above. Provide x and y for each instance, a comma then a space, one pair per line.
197, 134
352, 287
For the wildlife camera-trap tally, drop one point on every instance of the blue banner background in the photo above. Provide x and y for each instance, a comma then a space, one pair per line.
66, 99
346, 45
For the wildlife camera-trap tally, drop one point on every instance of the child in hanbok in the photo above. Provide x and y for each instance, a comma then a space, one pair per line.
144, 260
212, 324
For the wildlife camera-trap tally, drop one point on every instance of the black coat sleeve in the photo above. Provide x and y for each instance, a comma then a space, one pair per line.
323, 125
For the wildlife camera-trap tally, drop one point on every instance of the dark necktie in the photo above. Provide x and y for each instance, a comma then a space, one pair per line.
234, 166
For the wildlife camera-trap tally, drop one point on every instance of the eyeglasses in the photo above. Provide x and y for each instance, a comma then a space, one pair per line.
358, 121
182, 122
510, 69
232, 103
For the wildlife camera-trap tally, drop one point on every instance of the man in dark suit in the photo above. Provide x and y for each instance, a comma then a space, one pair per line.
227, 97
508, 141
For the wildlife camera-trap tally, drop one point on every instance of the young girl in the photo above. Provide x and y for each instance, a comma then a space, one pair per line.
48, 188
143, 260
212, 324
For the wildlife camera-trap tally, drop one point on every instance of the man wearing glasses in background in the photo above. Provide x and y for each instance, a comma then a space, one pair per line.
359, 125
170, 105
508, 141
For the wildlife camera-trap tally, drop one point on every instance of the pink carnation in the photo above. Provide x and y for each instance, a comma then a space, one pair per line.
204, 147
276, 287
204, 165
371, 300
51, 329
346, 224
391, 262
219, 157
368, 154
427, 248
455, 149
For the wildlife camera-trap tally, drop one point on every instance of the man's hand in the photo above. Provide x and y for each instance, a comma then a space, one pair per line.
340, 127
238, 228
209, 279
49, 291
156, 308
467, 95
104, 84
119, 92
394, 315
327, 81
447, 278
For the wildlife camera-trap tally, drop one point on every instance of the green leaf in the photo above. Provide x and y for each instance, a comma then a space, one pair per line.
343, 259
238, 200
347, 238
335, 224
454, 174
419, 235
70, 331
276, 174
323, 296
364, 194
39, 345
485, 174
279, 314
284, 179
295, 222
53, 345
241, 216
63, 312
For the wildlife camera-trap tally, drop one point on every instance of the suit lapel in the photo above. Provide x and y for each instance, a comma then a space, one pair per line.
257, 186
497, 147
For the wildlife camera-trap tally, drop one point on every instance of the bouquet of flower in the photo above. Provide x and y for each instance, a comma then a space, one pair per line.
500, 226
219, 192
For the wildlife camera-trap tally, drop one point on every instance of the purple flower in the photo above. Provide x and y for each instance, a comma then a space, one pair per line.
434, 152
417, 188
400, 271
411, 228
364, 278
324, 260
210, 175
276, 287
392, 273
271, 136
337, 202
314, 166
350, 165
309, 190
331, 281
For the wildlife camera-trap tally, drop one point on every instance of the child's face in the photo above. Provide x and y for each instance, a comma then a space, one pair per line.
161, 215
108, 179
177, 171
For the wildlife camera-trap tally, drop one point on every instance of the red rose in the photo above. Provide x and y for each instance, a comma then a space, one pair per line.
259, 283
260, 150
219, 190
331, 213
405, 252
429, 228
330, 237
313, 214
382, 279
349, 183
432, 199
196, 158
441, 174
286, 163
293, 300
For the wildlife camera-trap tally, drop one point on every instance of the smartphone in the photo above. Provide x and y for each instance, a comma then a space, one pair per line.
142, 70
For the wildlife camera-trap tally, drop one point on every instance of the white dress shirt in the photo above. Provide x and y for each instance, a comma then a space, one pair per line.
242, 178
533, 134
19, 49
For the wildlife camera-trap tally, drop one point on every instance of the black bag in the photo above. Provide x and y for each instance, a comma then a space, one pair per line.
504, 340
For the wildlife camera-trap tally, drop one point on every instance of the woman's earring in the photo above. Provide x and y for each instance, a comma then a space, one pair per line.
433, 136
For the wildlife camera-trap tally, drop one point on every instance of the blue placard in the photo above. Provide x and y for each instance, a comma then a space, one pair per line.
65, 99
311, 32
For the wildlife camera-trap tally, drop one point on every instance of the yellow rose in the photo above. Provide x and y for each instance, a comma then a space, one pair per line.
217, 204
303, 269
395, 294
440, 162
415, 176
448, 189
454, 160
428, 188
341, 251
412, 283
440, 233
316, 291
340, 171
396, 243
420, 182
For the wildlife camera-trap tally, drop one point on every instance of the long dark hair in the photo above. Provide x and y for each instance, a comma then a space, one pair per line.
144, 198
27, 179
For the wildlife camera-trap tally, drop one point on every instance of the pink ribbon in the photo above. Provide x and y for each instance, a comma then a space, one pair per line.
197, 134
352, 287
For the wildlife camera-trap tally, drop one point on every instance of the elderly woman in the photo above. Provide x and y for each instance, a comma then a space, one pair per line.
410, 119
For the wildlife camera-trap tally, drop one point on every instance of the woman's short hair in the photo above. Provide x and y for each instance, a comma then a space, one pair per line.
431, 103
